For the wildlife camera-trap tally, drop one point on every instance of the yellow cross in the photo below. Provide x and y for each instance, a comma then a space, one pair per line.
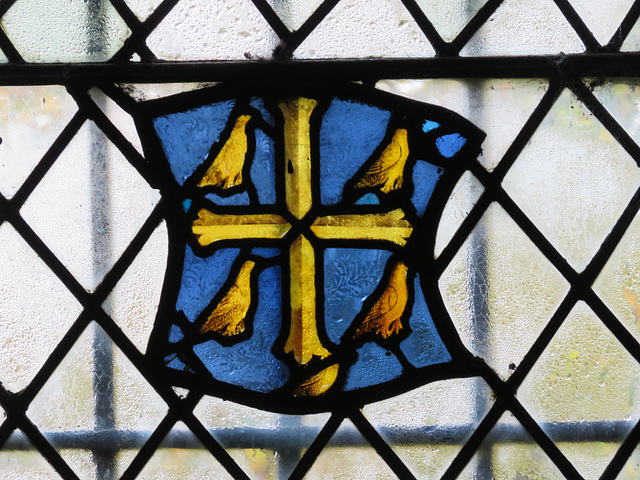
303, 340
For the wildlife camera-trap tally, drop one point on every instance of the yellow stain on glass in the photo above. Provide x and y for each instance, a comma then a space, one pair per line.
210, 227
319, 383
297, 152
387, 172
303, 338
385, 314
228, 317
390, 226
226, 169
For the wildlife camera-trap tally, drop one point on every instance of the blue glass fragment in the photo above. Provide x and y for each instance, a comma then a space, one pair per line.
423, 346
258, 104
368, 199
176, 364
186, 205
250, 363
266, 252
429, 125
374, 365
175, 334
237, 199
187, 137
349, 134
449, 145
425, 176
263, 168
202, 278
350, 276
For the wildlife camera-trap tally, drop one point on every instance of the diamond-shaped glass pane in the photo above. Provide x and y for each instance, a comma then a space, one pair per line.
31, 118
349, 455
294, 13
69, 31
143, 8
91, 194
264, 444
500, 291
364, 28
622, 100
499, 107
603, 20
516, 28
96, 393
449, 18
24, 461
584, 384
428, 426
509, 452
224, 29
121, 119
573, 180
30, 295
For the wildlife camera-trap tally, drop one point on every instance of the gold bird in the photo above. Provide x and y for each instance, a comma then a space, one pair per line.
319, 383
384, 316
228, 317
226, 170
387, 172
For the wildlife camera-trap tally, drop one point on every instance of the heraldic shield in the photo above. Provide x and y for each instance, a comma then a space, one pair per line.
302, 228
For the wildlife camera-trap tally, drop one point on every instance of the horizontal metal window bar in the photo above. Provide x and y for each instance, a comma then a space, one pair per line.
300, 437
571, 65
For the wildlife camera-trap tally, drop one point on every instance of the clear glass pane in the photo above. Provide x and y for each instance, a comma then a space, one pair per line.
31, 118
585, 383
120, 119
143, 8
428, 426
69, 31
366, 28
622, 99
196, 30
632, 42
29, 293
93, 194
349, 455
151, 91
500, 291
579, 167
516, 28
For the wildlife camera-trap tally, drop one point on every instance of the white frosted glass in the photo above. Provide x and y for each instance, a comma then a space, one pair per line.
25, 464
619, 282
222, 416
519, 28
133, 303
584, 375
632, 42
339, 461
511, 460
499, 107
29, 295
294, 13
500, 291
31, 118
427, 410
450, 17
141, 92
93, 195
603, 19
366, 28
224, 29
68, 31
143, 8
120, 119
462, 200
573, 180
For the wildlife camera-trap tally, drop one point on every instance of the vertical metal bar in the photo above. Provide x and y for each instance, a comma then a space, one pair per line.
103, 388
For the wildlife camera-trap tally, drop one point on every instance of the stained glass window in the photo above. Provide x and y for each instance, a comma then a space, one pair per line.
319, 239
